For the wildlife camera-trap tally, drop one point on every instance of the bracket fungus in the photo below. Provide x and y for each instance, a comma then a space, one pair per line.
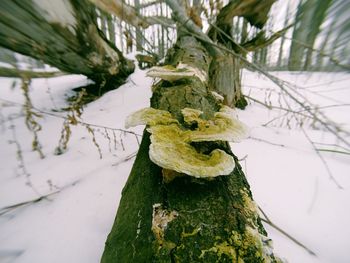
149, 116
223, 127
170, 73
171, 143
217, 96
170, 151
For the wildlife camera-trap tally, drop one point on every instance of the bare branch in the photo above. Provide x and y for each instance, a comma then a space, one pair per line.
269, 222
13, 72
260, 42
321, 53
255, 11
128, 13
78, 121
145, 5
333, 151
265, 141
9, 208
331, 177
294, 95
127, 158
162, 20
123, 11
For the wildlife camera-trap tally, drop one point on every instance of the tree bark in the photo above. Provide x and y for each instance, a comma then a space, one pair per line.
186, 219
64, 34
309, 18
226, 70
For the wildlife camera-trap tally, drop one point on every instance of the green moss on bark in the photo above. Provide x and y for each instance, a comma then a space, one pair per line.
131, 238
198, 220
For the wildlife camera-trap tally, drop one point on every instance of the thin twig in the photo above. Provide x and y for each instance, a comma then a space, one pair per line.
331, 177
20, 158
333, 151
265, 141
127, 158
270, 223
9, 208
283, 85
6, 209
78, 121
334, 145
323, 54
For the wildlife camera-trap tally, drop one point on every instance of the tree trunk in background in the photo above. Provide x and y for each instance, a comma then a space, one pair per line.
104, 27
162, 38
107, 26
216, 220
280, 53
120, 31
263, 57
309, 18
318, 18
340, 35
244, 35
324, 45
111, 28
63, 34
256, 57
139, 38
225, 71
296, 51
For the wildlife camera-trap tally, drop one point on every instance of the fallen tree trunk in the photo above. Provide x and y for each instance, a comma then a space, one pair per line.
63, 34
169, 216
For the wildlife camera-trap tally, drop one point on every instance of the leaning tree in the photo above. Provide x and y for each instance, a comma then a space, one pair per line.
63, 34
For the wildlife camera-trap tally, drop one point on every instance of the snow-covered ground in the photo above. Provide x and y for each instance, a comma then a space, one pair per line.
288, 180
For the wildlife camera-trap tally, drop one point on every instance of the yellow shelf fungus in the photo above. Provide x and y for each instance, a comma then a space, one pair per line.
170, 73
223, 127
169, 150
149, 116
170, 143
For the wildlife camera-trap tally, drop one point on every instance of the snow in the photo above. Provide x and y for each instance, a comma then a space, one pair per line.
5, 65
289, 182
59, 11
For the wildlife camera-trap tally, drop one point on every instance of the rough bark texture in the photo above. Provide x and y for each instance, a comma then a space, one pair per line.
226, 70
64, 34
186, 219
225, 79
